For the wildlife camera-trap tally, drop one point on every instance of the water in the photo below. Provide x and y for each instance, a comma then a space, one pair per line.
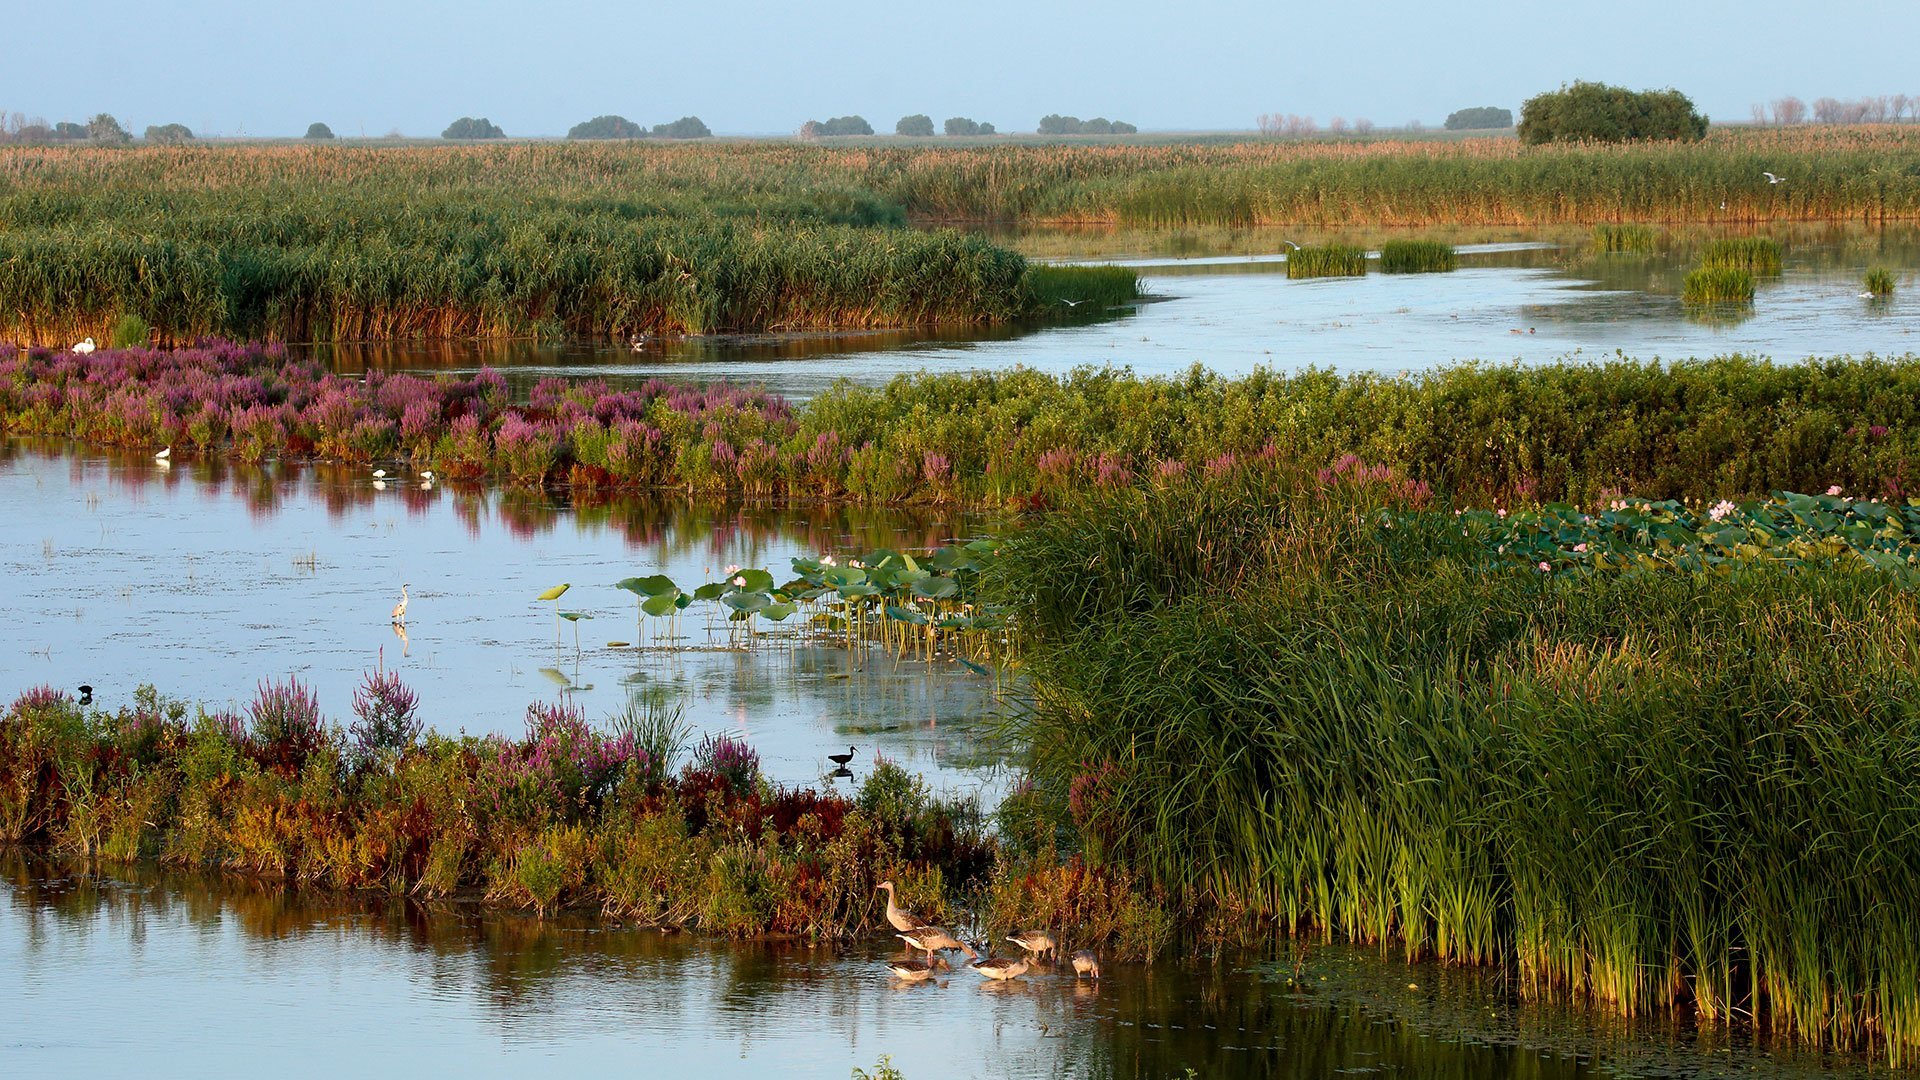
162, 975
204, 578
1527, 300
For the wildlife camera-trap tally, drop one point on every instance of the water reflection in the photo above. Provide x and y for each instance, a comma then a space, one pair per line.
166, 974
207, 577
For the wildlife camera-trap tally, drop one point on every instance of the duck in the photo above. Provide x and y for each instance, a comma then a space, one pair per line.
897, 917
932, 939
1003, 969
1036, 942
915, 970
1087, 964
841, 761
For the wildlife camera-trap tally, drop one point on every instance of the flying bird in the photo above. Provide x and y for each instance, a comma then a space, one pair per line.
1772, 179
1071, 303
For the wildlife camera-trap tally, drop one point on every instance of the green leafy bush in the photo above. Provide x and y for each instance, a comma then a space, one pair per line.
1595, 112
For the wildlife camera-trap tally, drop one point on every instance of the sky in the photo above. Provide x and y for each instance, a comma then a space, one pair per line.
266, 68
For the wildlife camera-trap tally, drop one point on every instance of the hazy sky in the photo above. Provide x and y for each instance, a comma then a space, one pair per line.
269, 68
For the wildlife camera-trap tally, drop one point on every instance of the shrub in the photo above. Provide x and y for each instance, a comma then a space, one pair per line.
730, 759
607, 127
286, 723
105, 129
318, 130
130, 332
960, 125
388, 711
839, 125
687, 127
168, 133
470, 127
1479, 118
919, 124
1595, 112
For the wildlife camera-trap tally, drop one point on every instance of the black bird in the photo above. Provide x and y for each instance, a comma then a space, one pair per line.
842, 759
86, 694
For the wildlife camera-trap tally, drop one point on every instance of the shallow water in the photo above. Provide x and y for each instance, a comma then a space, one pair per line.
144, 973
1525, 300
204, 578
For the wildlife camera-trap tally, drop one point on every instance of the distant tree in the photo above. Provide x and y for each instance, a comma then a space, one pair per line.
1414, 125
987, 129
473, 127
105, 129
1789, 110
1899, 103
318, 130
1337, 125
1121, 127
168, 133
1099, 125
607, 127
67, 129
839, 125
917, 124
1479, 118
1601, 113
1055, 124
1363, 126
687, 127
960, 125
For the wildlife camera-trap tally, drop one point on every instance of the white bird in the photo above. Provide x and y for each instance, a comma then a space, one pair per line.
1291, 244
1071, 303
640, 343
427, 475
400, 609
164, 454
84, 347
379, 474
1866, 296
1772, 179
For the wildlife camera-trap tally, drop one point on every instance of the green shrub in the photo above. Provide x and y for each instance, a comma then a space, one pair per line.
919, 124
130, 332
1595, 112
318, 130
607, 127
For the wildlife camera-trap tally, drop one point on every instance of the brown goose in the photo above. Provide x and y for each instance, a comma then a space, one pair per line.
1003, 969
897, 917
1086, 963
915, 970
932, 939
1037, 943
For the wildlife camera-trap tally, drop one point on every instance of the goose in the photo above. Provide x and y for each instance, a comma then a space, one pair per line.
1086, 963
932, 939
85, 347
897, 917
1037, 943
841, 761
400, 609
915, 970
1002, 969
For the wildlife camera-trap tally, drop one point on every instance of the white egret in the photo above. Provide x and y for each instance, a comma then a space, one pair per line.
400, 609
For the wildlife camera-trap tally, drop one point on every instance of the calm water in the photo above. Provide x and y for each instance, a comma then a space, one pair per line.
1525, 300
163, 975
204, 578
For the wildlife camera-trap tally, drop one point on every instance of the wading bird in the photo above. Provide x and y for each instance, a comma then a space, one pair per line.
1086, 963
1035, 942
897, 917
400, 609
841, 760
932, 939
84, 347
86, 694
164, 454
1772, 179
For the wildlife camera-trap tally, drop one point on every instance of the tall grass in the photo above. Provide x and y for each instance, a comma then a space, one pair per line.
1611, 239
1879, 281
1417, 257
1326, 260
1758, 255
1655, 790
1718, 285
1078, 288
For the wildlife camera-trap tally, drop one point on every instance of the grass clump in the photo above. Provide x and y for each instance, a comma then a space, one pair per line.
1417, 257
1717, 285
1327, 260
1081, 288
1879, 281
1758, 255
1625, 240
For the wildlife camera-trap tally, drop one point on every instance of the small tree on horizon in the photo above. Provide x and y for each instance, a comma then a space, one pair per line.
607, 127
317, 130
918, 124
166, 134
687, 127
473, 127
105, 129
1479, 118
1601, 113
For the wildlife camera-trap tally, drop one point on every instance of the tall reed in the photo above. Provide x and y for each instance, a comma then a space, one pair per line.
1757, 255
1720, 284
1417, 257
1326, 260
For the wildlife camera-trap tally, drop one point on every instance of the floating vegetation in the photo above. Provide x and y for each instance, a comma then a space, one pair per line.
1078, 288
1625, 240
1717, 285
1758, 255
1327, 260
1417, 257
1879, 282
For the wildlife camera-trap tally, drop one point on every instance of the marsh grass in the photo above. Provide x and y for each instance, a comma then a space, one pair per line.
1718, 284
1652, 790
1757, 255
1879, 281
1327, 260
1610, 239
1417, 257
1081, 288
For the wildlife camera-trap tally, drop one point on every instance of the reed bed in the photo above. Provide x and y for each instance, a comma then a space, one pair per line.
1879, 282
1487, 435
1327, 260
1719, 284
1652, 787
620, 817
1417, 257
1757, 255
1077, 288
